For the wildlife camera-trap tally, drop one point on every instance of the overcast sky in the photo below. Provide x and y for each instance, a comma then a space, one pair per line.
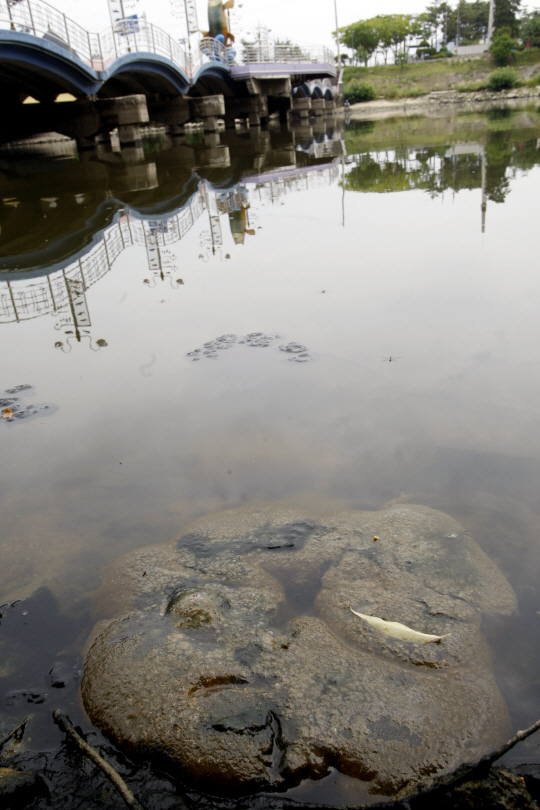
307, 22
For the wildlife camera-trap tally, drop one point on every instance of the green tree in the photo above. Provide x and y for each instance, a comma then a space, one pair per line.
393, 30
446, 12
425, 26
361, 37
473, 22
506, 15
401, 27
383, 28
503, 47
530, 29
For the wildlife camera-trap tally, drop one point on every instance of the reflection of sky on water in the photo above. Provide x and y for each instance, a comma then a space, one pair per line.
144, 439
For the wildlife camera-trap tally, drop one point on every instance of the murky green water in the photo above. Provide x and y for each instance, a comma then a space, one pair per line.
401, 254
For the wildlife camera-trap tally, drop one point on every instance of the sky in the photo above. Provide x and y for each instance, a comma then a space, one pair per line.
307, 22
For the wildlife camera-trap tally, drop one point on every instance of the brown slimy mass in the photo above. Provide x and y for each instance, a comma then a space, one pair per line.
232, 655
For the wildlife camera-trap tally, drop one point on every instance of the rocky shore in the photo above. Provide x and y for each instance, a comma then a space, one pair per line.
478, 100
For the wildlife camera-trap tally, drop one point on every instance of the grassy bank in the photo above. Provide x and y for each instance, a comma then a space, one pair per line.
422, 78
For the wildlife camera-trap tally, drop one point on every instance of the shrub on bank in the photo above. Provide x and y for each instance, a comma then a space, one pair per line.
357, 91
503, 78
503, 47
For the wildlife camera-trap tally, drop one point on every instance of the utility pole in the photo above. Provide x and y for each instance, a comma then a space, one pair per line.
337, 35
491, 21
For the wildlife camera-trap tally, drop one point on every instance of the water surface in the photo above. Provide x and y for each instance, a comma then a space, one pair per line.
402, 254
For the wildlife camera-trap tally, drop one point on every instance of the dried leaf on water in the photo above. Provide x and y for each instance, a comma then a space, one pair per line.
7, 413
397, 630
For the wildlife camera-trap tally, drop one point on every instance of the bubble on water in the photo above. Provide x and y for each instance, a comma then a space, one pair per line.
17, 388
258, 340
293, 348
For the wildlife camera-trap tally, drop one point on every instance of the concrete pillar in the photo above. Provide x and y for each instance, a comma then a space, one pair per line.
254, 108
300, 108
130, 109
209, 109
212, 156
318, 106
129, 134
85, 144
212, 139
299, 103
174, 112
330, 105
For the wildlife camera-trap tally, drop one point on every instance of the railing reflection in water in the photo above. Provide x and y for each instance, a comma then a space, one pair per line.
62, 292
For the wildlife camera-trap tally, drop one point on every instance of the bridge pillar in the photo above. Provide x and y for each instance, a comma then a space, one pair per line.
84, 144
212, 156
209, 108
330, 106
300, 107
125, 109
254, 108
318, 106
129, 134
173, 113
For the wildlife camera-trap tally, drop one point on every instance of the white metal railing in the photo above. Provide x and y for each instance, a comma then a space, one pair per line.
276, 52
212, 50
97, 50
38, 18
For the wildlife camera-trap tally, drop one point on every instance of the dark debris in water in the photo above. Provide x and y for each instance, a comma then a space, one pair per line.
72, 782
257, 340
20, 410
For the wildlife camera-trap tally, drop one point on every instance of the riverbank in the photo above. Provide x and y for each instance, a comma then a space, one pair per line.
420, 79
442, 101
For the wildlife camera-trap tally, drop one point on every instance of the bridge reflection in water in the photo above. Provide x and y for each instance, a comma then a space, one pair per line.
301, 160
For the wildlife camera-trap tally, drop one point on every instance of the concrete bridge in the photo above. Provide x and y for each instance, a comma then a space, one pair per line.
56, 76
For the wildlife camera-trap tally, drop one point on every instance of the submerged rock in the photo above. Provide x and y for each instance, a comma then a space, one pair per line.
232, 656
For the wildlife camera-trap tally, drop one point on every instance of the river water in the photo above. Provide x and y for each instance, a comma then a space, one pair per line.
381, 281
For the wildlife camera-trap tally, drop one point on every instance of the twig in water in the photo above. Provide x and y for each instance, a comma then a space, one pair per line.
489, 759
14, 732
65, 724
468, 773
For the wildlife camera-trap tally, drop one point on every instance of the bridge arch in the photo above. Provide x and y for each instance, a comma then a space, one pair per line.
212, 78
301, 91
146, 73
42, 69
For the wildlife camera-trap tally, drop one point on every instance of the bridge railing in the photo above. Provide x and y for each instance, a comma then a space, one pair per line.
276, 52
212, 50
133, 35
40, 19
